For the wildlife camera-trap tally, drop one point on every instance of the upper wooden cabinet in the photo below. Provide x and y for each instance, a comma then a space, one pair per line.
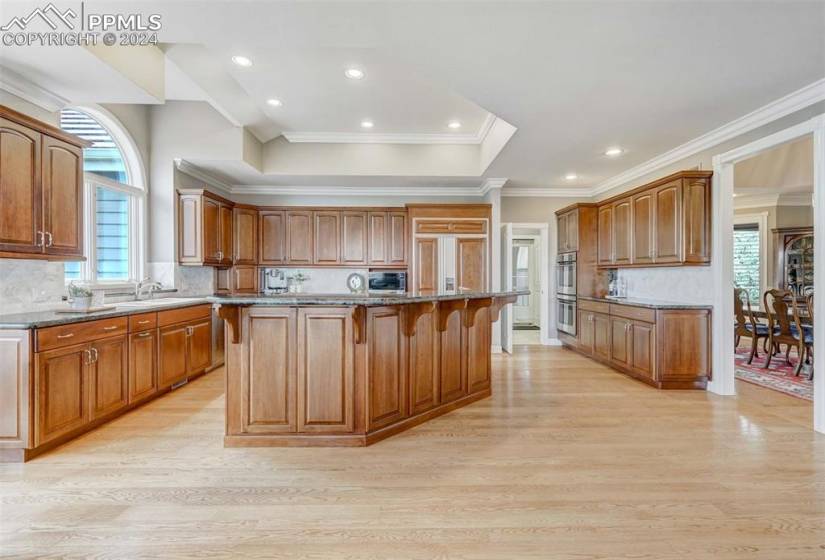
245, 237
353, 237
205, 228
568, 231
327, 237
664, 223
471, 259
299, 238
272, 239
387, 238
41, 190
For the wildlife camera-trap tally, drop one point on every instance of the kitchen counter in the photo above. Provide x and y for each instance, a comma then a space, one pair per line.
649, 303
38, 319
366, 299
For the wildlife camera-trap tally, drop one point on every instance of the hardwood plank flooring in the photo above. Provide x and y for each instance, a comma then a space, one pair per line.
568, 460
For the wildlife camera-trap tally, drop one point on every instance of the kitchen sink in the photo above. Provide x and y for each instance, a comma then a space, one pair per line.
155, 302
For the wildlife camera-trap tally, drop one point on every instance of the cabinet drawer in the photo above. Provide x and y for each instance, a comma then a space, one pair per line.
77, 333
143, 321
630, 312
469, 226
184, 314
432, 227
597, 306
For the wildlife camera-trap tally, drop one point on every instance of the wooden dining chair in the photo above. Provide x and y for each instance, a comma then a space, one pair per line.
784, 326
746, 324
808, 331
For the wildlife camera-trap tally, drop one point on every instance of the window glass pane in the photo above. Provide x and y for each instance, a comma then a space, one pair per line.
112, 223
103, 157
72, 270
746, 262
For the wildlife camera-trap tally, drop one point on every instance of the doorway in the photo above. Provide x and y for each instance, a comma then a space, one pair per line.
525, 266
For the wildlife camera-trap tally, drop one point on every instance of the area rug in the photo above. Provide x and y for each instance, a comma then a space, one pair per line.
779, 376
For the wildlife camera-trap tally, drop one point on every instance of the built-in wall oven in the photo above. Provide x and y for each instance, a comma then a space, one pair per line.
566, 274
566, 314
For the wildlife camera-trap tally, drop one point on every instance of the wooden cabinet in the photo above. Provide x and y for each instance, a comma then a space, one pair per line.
41, 190
585, 330
272, 240
665, 223
567, 231
424, 364
184, 348
397, 242
109, 376
143, 364
477, 329
299, 238
426, 266
561, 233
387, 238
245, 238
471, 259
621, 341
643, 346
601, 335
244, 279
326, 370
199, 346
61, 402
453, 367
327, 237
386, 367
377, 237
353, 237
205, 229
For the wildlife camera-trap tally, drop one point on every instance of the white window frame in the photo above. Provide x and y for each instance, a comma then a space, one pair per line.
761, 221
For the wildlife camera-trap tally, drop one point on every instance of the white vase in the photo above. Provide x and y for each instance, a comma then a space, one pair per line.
81, 303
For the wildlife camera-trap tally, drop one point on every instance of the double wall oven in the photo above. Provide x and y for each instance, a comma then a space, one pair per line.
566, 293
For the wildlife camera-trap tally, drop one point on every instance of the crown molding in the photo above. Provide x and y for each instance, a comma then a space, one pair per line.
799, 99
392, 137
24, 88
355, 191
547, 192
193, 171
491, 184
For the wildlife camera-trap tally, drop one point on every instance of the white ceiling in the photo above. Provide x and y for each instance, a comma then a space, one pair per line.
572, 77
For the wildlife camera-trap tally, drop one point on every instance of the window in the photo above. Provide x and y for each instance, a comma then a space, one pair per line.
747, 259
113, 205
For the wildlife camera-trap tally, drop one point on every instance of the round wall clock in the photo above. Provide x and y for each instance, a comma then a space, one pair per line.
356, 283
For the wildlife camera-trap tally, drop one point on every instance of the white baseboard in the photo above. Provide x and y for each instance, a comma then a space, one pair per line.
496, 349
551, 342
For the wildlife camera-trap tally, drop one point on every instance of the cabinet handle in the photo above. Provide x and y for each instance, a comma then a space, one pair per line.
111, 328
41, 239
51, 239
88, 354
143, 322
144, 334
61, 336
96, 353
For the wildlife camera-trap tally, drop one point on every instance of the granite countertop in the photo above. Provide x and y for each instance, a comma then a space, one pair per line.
355, 299
37, 319
650, 303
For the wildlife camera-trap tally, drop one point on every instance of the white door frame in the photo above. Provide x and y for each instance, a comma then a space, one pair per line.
536, 270
507, 282
722, 201
544, 277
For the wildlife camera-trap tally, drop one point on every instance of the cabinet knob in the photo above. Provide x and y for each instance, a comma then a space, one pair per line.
88, 354
41, 239
51, 239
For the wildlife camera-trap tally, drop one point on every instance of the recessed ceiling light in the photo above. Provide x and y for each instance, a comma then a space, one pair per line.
571, 176
274, 102
354, 73
454, 124
242, 61
367, 124
613, 152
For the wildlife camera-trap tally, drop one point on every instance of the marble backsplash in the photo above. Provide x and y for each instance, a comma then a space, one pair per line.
326, 280
683, 284
30, 285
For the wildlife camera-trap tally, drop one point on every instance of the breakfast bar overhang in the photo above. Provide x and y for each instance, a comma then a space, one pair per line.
350, 370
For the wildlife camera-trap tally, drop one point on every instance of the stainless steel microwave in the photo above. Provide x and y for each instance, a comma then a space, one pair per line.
387, 281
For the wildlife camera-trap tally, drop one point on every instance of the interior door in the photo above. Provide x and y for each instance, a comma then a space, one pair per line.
525, 278
507, 311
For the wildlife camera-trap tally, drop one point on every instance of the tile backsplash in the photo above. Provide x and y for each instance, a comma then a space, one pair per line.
326, 280
30, 285
682, 284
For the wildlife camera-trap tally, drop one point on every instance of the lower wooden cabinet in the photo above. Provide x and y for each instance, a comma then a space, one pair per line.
643, 348
478, 352
143, 364
109, 376
601, 335
453, 361
621, 341
61, 402
172, 365
424, 364
199, 346
386, 367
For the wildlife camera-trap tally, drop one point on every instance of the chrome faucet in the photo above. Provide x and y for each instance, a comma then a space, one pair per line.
143, 284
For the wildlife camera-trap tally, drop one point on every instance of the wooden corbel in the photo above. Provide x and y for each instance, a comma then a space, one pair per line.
412, 311
446, 308
498, 303
473, 306
359, 320
232, 315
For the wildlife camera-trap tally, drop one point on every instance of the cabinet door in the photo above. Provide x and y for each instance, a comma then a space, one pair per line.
326, 370
605, 235
299, 237
478, 352
471, 259
327, 237
424, 361
453, 360
143, 364
668, 223
245, 222
270, 382
377, 238
211, 231
190, 224
244, 279
353, 237
387, 367
621, 232
562, 232
426, 266
109, 381
20, 195
585, 330
226, 234
61, 393
621, 340
223, 281
199, 346
573, 230
62, 183
272, 241
172, 355
643, 345
601, 336
644, 227
397, 244
696, 200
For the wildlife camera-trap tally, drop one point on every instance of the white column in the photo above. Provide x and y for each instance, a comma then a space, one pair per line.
493, 196
819, 273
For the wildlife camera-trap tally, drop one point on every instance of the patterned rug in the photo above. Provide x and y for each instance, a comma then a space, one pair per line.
778, 377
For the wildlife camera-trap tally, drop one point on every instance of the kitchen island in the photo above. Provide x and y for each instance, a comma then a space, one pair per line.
350, 370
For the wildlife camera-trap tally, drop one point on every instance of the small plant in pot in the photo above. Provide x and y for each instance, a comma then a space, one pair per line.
80, 297
297, 284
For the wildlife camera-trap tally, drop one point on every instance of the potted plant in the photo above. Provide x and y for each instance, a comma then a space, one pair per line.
80, 297
297, 281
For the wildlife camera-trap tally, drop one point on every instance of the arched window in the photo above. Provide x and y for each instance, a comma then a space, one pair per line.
114, 201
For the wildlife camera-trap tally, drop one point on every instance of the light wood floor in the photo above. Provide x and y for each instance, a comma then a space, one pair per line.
567, 460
